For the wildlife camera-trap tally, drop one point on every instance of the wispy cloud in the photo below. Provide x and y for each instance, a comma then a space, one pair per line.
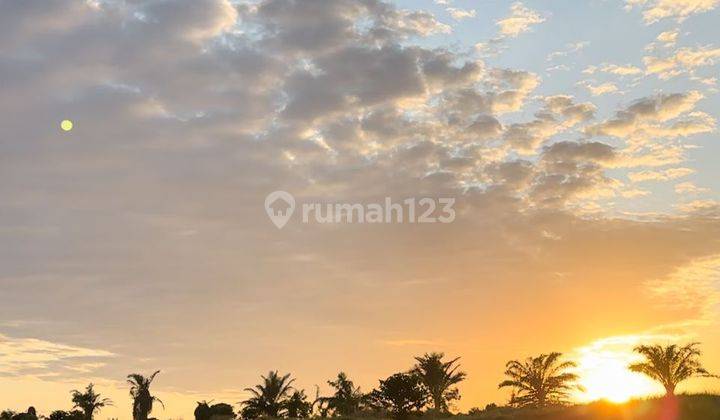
35, 357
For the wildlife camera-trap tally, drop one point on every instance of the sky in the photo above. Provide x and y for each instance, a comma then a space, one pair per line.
578, 140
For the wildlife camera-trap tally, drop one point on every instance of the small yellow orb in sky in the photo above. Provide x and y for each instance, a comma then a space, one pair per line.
66, 125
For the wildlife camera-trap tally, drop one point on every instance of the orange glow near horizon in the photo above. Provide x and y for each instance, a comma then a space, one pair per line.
604, 373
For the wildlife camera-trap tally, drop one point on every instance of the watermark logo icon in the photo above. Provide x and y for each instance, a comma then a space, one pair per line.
280, 206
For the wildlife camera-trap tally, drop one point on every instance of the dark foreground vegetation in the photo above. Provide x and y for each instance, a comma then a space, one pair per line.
541, 387
682, 407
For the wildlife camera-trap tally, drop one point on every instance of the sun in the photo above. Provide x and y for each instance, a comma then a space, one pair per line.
66, 125
604, 375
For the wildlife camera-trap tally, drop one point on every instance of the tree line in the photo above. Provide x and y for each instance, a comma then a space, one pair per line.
430, 386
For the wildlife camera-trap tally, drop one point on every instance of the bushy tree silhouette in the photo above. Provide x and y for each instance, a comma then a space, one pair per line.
66, 415
89, 401
540, 381
670, 365
219, 411
440, 378
298, 406
140, 392
402, 394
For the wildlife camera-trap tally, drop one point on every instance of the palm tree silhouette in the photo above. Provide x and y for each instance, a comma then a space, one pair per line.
670, 365
140, 393
269, 398
89, 401
347, 398
540, 381
439, 378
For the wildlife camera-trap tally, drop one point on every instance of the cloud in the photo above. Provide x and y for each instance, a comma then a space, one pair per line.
619, 70
693, 286
668, 38
706, 208
559, 114
601, 89
682, 60
656, 10
569, 49
521, 20
459, 14
644, 113
29, 356
689, 188
664, 175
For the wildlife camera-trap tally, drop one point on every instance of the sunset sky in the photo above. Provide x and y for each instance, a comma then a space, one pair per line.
578, 138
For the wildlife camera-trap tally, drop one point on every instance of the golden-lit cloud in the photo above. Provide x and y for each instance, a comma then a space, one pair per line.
655, 10
681, 61
662, 175
520, 20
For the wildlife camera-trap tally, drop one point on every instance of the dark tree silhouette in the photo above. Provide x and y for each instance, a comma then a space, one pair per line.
540, 381
7, 415
269, 398
89, 401
30, 414
202, 411
402, 394
347, 397
439, 377
670, 365
219, 411
66, 415
298, 406
140, 392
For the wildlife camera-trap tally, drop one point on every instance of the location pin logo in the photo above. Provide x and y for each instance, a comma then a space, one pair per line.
279, 206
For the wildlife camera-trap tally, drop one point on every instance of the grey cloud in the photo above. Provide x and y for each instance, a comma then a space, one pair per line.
485, 126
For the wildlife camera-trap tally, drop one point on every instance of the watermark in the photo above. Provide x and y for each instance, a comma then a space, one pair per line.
280, 207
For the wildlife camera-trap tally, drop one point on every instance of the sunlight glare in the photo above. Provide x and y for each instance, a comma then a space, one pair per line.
604, 374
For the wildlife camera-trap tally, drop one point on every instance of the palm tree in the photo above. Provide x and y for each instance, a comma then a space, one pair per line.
268, 398
140, 393
670, 365
347, 398
89, 401
439, 377
540, 381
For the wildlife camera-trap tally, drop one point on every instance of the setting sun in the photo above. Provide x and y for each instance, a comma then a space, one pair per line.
604, 374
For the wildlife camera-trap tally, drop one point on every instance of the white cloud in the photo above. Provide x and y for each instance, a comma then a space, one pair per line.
459, 14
